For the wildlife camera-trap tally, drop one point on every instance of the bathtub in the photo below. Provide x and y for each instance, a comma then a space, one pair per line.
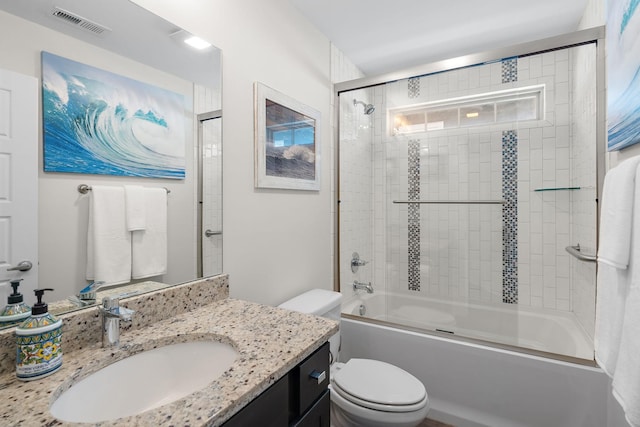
475, 385
549, 331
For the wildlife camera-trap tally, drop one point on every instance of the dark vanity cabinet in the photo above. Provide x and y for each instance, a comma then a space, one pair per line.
309, 395
299, 399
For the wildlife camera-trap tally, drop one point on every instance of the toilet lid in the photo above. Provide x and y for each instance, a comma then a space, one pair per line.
379, 383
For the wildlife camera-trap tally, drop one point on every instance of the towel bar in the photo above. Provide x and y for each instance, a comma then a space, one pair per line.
575, 251
84, 189
451, 202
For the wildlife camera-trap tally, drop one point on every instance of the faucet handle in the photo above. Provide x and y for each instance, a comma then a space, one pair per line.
111, 307
357, 262
109, 303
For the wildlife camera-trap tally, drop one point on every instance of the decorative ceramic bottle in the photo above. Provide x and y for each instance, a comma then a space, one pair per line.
38, 339
16, 310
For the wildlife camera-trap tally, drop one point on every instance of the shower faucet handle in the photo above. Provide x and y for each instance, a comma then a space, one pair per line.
357, 262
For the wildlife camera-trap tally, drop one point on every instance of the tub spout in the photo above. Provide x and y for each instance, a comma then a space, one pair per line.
366, 286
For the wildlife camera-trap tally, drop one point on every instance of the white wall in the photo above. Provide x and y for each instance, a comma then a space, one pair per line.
277, 243
62, 211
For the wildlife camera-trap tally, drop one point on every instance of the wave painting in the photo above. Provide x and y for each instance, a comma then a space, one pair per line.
98, 122
623, 70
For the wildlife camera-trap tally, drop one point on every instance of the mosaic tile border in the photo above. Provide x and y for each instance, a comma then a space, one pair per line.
510, 217
413, 87
414, 214
509, 70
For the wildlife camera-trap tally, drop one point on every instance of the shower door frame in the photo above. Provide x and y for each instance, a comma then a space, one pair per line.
595, 35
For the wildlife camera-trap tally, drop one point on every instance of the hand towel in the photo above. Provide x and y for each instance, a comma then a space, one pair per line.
613, 278
149, 246
108, 241
626, 379
616, 214
135, 207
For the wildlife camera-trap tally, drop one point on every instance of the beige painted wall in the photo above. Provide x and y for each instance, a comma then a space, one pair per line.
277, 243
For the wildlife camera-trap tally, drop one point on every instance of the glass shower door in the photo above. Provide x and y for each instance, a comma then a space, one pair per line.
464, 188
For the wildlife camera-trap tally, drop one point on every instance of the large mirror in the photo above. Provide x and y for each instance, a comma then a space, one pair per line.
125, 39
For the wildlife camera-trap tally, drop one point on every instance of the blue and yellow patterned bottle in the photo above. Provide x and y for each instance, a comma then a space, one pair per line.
16, 310
39, 339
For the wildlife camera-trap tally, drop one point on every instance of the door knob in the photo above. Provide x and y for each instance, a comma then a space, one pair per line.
210, 233
22, 266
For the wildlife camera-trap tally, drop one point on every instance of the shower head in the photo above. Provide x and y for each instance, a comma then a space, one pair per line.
368, 108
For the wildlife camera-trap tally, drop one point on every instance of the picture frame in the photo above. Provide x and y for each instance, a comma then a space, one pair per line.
287, 141
99, 122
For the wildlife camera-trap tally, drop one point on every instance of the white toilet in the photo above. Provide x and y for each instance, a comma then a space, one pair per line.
364, 392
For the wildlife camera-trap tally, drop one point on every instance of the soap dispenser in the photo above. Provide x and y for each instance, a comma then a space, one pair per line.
15, 310
38, 339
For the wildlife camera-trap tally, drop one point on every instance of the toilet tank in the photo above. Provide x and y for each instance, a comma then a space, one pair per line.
320, 302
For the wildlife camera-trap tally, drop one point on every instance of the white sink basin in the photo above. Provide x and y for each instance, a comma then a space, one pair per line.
144, 381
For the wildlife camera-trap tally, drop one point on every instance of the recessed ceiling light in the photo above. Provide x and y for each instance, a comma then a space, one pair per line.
197, 42
182, 36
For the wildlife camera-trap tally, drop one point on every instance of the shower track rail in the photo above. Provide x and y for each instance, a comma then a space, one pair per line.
452, 202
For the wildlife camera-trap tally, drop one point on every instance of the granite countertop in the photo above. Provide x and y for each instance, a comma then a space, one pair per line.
270, 342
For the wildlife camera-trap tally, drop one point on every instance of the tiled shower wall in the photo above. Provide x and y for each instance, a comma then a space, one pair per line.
356, 219
583, 202
463, 252
460, 245
356, 190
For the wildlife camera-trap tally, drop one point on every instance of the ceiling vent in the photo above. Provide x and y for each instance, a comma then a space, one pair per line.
79, 21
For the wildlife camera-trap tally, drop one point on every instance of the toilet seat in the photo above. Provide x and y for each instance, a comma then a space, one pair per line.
379, 386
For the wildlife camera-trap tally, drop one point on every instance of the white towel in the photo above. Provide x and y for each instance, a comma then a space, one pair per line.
135, 207
613, 287
626, 378
616, 214
108, 241
613, 258
149, 246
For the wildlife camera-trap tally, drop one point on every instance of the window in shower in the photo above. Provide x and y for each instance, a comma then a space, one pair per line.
502, 106
436, 191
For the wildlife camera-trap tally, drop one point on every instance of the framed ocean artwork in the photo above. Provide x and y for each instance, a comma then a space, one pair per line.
623, 73
287, 141
99, 122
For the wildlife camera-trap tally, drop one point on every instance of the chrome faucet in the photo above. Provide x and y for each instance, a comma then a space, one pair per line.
112, 313
366, 286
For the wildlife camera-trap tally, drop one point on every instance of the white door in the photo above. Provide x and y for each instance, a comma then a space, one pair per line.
18, 182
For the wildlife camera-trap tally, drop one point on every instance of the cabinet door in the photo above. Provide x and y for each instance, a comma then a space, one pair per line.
270, 409
319, 415
313, 377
